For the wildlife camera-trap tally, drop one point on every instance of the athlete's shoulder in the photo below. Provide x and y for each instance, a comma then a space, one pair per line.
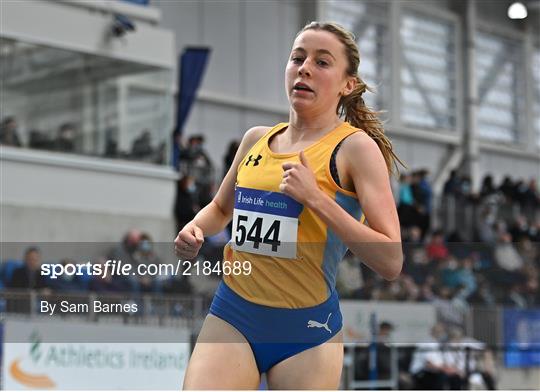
360, 145
255, 133
363, 156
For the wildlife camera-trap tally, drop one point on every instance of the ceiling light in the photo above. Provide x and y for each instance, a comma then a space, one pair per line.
517, 11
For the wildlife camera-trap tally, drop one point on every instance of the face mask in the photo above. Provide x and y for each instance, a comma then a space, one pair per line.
145, 246
191, 188
452, 264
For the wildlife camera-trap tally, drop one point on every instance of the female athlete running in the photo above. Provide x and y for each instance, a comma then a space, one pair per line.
299, 194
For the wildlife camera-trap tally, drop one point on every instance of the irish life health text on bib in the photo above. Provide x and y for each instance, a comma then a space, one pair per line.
265, 223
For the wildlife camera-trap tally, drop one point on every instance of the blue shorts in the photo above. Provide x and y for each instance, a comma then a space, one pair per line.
276, 334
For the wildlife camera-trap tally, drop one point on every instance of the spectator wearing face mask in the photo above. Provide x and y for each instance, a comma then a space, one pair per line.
125, 252
185, 206
65, 140
8, 133
201, 169
146, 255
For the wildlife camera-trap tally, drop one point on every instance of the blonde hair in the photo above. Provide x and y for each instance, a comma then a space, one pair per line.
353, 106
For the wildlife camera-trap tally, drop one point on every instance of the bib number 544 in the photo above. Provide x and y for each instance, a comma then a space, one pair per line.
254, 234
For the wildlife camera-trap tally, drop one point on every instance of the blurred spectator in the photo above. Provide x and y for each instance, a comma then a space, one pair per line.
160, 156
454, 360
452, 185
531, 198
427, 365
486, 227
146, 255
70, 282
384, 334
185, 206
142, 146
422, 193
111, 137
484, 294
406, 209
8, 132
487, 369
125, 251
507, 188
349, 276
40, 140
200, 167
179, 284
183, 153
449, 310
417, 265
436, 248
519, 228
384, 355
229, 156
487, 188
104, 284
368, 289
465, 189
449, 273
466, 279
65, 140
29, 276
506, 256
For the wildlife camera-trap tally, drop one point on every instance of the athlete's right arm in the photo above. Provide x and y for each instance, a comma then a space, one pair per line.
218, 213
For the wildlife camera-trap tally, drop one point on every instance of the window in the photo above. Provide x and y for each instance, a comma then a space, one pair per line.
428, 72
499, 78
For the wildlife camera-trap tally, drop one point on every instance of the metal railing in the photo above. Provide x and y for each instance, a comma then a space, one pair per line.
364, 356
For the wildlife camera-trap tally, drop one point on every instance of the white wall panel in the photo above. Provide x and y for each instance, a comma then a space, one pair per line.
418, 154
54, 180
222, 32
69, 27
290, 15
182, 17
47, 224
264, 62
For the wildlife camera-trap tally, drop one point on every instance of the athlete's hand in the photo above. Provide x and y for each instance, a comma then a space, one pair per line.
188, 242
298, 180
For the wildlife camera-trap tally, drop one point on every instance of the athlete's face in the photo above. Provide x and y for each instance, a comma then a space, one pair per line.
315, 77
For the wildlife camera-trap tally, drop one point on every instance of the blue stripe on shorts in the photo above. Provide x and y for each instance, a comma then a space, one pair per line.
275, 334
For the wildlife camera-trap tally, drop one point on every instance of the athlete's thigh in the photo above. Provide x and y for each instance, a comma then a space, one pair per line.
316, 368
221, 359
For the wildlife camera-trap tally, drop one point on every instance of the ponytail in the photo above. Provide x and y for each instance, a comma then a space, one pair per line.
359, 115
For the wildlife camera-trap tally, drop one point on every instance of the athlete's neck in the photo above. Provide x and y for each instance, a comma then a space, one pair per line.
302, 127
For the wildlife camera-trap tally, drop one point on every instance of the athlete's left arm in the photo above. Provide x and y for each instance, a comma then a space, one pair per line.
379, 244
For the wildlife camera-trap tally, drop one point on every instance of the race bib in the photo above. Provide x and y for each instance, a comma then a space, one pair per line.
265, 223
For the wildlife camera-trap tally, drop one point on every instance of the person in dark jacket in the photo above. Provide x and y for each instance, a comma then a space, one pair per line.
29, 276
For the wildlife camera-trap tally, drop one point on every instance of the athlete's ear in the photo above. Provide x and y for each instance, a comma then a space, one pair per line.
349, 86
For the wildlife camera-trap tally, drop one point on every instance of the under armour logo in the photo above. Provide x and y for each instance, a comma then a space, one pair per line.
256, 160
313, 324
